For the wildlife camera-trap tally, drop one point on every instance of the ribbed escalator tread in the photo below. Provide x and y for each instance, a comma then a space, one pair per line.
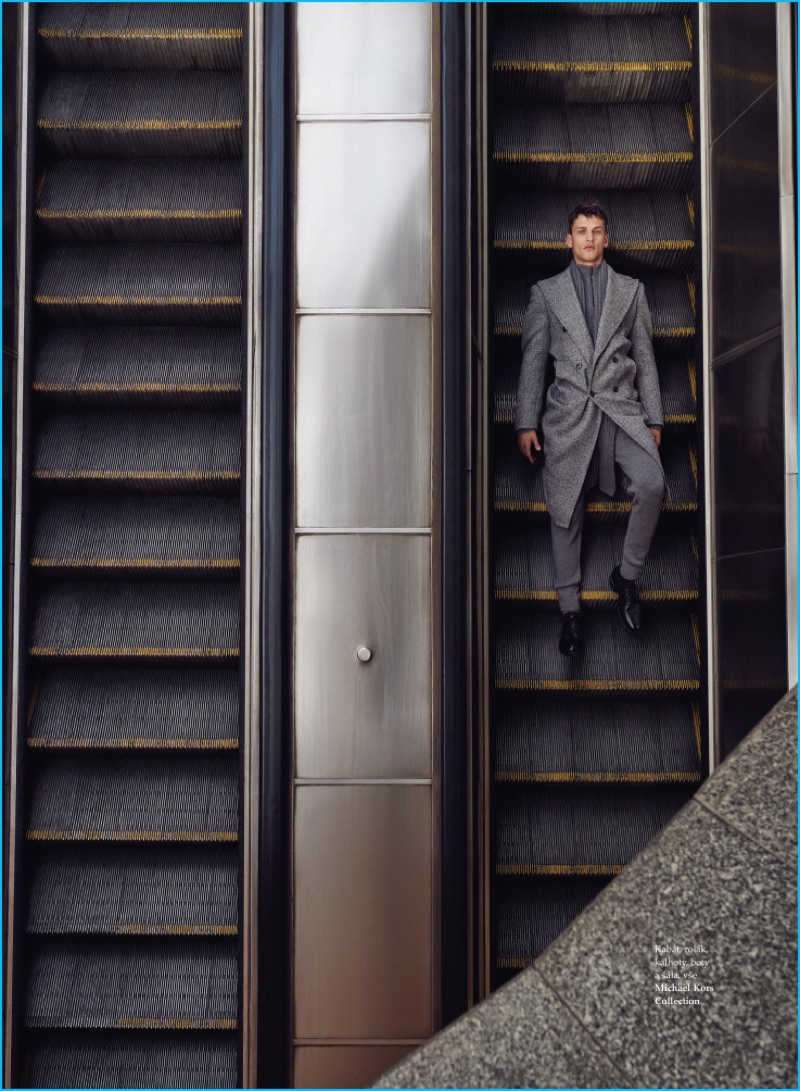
134, 1059
130, 366
137, 535
662, 658
136, 621
134, 707
141, 449
142, 113
622, 741
669, 299
123, 984
619, 145
524, 567
142, 35
106, 890
519, 487
147, 283
582, 829
676, 377
157, 200
647, 229
533, 911
135, 797
608, 9
595, 59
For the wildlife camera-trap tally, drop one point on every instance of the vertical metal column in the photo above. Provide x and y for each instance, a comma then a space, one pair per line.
367, 534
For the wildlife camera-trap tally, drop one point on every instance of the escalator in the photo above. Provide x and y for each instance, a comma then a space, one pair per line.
131, 909
590, 759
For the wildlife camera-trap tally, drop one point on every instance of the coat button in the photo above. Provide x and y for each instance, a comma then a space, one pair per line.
616, 389
615, 360
563, 329
591, 392
579, 366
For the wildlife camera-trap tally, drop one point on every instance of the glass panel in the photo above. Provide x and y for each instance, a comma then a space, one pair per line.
743, 58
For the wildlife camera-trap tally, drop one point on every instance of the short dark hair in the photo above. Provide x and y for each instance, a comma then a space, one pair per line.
589, 208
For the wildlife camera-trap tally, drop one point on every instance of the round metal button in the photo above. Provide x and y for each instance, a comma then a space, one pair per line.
363, 655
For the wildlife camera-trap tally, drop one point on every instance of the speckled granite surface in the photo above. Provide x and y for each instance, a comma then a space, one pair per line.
612, 1002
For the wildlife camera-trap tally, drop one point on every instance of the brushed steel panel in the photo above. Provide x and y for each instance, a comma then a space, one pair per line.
344, 1066
364, 214
362, 912
363, 421
355, 719
363, 58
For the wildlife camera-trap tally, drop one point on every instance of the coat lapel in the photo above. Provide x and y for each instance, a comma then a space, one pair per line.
560, 293
619, 296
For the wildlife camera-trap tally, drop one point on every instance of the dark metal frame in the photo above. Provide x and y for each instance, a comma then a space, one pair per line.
454, 355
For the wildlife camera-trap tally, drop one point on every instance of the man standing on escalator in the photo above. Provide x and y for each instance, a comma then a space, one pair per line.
602, 410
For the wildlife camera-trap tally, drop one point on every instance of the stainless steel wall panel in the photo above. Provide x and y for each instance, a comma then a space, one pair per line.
363, 912
353, 718
364, 215
345, 1066
364, 58
363, 433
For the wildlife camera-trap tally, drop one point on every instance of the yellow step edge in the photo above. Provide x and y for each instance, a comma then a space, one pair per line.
133, 562
624, 244
596, 596
136, 475
138, 214
132, 653
595, 778
670, 418
591, 685
176, 930
559, 869
513, 963
130, 835
658, 331
137, 388
591, 66
161, 125
136, 301
221, 34
593, 157
599, 507
146, 1023
76, 742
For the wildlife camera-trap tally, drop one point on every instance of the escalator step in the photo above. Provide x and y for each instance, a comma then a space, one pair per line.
519, 487
676, 376
662, 658
651, 230
670, 300
142, 114
124, 536
187, 984
133, 1059
133, 366
581, 830
621, 146
141, 35
142, 797
124, 707
557, 741
134, 621
156, 200
103, 890
147, 284
157, 451
524, 567
581, 58
532, 912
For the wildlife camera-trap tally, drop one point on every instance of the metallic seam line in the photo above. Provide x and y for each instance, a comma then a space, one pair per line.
151, 125
225, 33
621, 158
365, 311
591, 66
594, 778
301, 782
138, 214
421, 531
361, 117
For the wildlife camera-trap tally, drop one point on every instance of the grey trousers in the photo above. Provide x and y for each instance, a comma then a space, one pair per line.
645, 481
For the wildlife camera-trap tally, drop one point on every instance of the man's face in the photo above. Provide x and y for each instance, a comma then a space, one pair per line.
587, 240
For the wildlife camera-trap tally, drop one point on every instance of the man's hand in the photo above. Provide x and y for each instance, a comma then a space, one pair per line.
656, 436
528, 442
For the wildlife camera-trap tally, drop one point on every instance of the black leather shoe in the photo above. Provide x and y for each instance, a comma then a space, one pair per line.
628, 608
571, 640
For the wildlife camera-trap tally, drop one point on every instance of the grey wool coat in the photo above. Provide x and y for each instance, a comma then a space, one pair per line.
617, 375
